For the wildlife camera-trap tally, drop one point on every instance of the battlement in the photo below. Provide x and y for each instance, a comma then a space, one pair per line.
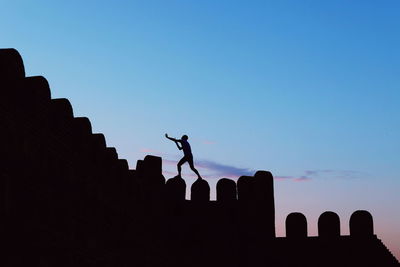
251, 197
68, 200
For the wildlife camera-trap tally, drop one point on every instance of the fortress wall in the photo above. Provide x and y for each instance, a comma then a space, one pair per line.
58, 187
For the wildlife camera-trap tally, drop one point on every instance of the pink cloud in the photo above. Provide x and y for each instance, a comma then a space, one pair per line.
302, 179
170, 162
283, 178
152, 151
208, 142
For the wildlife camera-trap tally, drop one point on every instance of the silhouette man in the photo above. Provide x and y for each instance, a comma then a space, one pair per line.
187, 153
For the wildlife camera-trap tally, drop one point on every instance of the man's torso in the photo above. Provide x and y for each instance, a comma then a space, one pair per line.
186, 148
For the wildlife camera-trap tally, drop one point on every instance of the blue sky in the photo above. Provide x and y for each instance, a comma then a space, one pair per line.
306, 89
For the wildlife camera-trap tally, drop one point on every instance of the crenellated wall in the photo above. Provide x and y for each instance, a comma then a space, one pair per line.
66, 199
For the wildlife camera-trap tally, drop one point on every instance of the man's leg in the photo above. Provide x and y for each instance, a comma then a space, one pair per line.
190, 160
180, 163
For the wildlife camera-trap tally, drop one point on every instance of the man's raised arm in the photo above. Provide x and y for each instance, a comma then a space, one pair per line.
175, 140
170, 138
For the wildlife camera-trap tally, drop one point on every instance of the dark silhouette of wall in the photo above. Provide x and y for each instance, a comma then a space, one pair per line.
68, 200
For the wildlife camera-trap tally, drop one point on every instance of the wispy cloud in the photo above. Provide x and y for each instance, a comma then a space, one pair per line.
323, 174
283, 178
223, 170
152, 151
338, 174
213, 169
302, 179
208, 142
170, 162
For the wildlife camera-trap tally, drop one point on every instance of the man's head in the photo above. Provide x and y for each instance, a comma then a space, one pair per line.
185, 137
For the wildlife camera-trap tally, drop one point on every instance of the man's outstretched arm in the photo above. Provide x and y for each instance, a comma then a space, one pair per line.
170, 138
175, 140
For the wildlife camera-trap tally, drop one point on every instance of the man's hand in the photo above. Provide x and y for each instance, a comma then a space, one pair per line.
170, 138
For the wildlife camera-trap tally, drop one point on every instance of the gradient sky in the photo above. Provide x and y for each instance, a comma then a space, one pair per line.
309, 90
